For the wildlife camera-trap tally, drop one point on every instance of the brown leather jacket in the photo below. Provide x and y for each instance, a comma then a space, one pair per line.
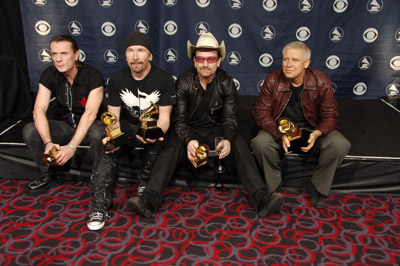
317, 99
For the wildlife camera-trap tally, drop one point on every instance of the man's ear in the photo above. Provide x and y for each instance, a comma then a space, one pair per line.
76, 55
307, 63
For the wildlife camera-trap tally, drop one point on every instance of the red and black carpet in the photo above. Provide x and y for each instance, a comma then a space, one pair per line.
196, 226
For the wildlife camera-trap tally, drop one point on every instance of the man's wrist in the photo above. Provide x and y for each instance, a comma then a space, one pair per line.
50, 141
315, 134
72, 147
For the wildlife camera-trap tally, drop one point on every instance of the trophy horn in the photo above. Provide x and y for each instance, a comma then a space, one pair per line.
50, 158
284, 124
108, 118
201, 155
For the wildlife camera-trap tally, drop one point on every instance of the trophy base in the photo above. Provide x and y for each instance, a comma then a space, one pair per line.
299, 141
198, 164
117, 142
151, 133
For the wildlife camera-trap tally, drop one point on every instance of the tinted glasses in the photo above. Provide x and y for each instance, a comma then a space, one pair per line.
210, 60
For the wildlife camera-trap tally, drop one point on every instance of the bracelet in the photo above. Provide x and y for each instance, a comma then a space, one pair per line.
72, 147
315, 135
50, 141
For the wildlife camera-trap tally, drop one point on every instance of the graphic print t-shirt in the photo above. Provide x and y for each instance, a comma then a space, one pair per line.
135, 96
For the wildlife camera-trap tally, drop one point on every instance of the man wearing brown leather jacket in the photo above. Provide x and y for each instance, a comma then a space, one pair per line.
305, 96
206, 106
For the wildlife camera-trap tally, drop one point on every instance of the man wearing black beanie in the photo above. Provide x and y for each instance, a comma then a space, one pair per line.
131, 93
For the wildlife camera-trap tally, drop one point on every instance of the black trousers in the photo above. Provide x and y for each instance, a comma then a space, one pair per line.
103, 168
175, 152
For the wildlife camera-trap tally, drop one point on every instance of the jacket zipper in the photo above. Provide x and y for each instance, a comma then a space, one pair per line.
197, 103
69, 103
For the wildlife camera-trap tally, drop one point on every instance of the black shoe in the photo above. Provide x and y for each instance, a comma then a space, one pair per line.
317, 199
271, 204
140, 189
43, 184
97, 220
140, 206
318, 202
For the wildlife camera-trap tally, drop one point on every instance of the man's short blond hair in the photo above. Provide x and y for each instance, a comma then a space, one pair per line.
300, 46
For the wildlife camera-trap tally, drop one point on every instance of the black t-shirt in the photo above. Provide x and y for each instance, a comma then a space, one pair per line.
294, 110
200, 118
135, 95
71, 100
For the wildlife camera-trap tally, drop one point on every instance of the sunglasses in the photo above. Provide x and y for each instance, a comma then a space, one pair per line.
209, 60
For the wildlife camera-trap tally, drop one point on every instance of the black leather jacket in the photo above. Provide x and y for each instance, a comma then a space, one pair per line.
222, 107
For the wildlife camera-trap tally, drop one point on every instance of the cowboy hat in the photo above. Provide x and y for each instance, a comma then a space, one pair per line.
206, 41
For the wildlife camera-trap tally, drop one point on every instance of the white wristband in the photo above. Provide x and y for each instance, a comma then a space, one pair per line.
72, 147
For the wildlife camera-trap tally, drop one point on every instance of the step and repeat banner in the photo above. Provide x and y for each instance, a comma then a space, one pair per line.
356, 43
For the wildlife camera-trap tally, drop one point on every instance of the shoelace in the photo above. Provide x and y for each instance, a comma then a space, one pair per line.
96, 215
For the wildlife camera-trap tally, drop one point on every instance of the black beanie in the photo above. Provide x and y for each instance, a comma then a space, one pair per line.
138, 38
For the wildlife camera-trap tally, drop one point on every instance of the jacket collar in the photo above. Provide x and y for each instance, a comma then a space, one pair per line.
308, 84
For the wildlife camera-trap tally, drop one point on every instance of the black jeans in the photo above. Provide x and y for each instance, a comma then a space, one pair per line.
61, 133
103, 170
175, 152
103, 164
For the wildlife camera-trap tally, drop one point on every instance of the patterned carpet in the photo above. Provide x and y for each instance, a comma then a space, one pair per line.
196, 226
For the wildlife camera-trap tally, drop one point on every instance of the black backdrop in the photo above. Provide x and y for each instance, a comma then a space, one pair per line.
15, 96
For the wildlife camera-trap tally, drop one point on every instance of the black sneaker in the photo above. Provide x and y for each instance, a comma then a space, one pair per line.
139, 205
317, 199
43, 184
97, 219
271, 204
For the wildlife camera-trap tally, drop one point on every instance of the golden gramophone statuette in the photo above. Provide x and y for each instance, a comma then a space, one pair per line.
297, 136
201, 156
50, 158
115, 137
149, 128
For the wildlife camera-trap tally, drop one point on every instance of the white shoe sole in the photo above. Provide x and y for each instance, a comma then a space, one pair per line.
96, 227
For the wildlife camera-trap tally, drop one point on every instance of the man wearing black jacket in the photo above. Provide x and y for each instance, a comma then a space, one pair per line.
207, 103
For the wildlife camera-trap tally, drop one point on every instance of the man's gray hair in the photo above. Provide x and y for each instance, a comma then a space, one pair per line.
300, 46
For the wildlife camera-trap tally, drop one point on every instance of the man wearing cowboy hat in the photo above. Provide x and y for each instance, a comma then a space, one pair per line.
206, 107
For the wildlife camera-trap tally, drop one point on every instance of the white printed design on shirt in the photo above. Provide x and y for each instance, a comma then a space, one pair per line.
143, 101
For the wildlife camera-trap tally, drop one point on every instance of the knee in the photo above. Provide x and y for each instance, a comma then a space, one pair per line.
343, 146
96, 131
262, 142
339, 144
28, 132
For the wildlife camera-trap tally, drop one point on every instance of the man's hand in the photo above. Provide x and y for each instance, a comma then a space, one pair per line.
48, 147
64, 154
225, 147
145, 141
311, 141
285, 143
107, 139
191, 149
